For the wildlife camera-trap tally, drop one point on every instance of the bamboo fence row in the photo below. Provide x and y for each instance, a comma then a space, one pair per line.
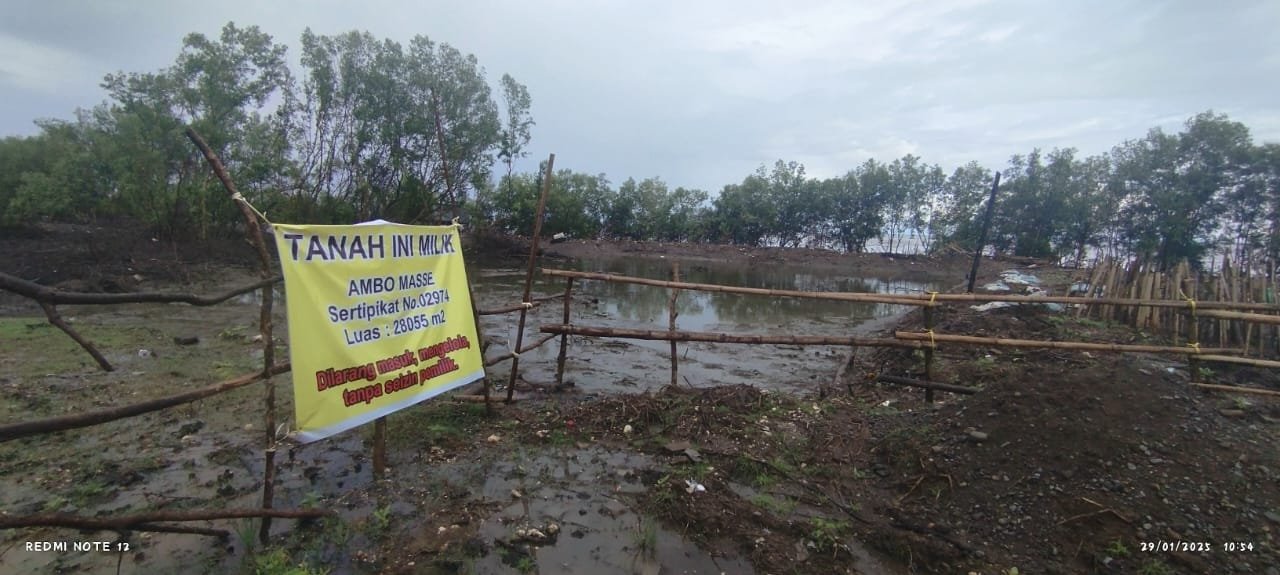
1207, 296
1136, 304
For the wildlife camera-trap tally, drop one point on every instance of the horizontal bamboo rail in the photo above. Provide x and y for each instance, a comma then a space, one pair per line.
1239, 360
1250, 317
915, 300
714, 337
22, 429
1003, 342
837, 296
536, 302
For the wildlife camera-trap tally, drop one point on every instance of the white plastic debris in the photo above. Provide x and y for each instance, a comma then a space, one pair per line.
692, 486
144, 353
494, 438
626, 429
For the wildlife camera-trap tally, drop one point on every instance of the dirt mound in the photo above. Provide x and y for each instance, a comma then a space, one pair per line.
1068, 463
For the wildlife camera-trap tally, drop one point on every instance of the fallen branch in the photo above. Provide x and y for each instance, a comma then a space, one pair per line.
52, 313
501, 358
1002, 342
166, 528
724, 337
128, 522
22, 429
1237, 389
56, 296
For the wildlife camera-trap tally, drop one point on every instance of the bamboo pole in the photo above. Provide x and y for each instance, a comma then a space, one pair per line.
528, 278
671, 321
264, 322
1003, 342
912, 300
982, 239
715, 337
928, 354
1238, 360
11, 431
838, 296
1249, 317
927, 385
564, 337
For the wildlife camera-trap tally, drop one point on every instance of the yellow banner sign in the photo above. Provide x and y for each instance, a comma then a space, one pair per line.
379, 319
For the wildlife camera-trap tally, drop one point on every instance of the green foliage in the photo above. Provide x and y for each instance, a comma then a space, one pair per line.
827, 534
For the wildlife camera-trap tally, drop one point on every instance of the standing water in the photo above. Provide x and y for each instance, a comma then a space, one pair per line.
608, 364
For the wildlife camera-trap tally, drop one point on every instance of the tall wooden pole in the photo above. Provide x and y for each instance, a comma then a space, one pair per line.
564, 337
675, 277
528, 277
264, 322
982, 239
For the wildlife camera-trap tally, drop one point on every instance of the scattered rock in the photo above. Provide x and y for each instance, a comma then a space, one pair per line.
1272, 516
493, 438
190, 340
1231, 412
977, 435
190, 427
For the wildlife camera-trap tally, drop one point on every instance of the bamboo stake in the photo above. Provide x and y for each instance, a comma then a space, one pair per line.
564, 337
11, 431
264, 322
928, 353
715, 337
1002, 342
912, 300
671, 322
528, 278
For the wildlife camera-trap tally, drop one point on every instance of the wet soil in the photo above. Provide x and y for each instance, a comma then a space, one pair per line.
1062, 463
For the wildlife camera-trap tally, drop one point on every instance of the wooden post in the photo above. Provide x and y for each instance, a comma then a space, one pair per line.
982, 239
264, 321
671, 323
564, 337
1193, 340
928, 353
379, 447
528, 278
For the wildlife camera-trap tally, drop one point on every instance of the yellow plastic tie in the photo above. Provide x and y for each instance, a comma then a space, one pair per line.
932, 344
933, 297
1195, 346
455, 223
527, 305
240, 198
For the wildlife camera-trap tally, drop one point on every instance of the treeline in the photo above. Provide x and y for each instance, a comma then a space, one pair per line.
1205, 190
412, 133
372, 129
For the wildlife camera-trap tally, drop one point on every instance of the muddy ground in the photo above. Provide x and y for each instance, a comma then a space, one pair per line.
1062, 463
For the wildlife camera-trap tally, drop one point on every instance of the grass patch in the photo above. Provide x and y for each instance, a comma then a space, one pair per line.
278, 562
433, 423
774, 505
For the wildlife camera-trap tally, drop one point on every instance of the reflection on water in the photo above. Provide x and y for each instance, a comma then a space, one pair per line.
697, 310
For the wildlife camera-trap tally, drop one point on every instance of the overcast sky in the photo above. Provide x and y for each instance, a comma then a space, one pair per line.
701, 92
